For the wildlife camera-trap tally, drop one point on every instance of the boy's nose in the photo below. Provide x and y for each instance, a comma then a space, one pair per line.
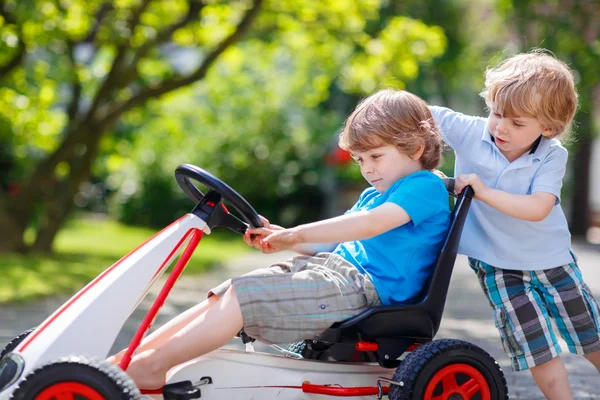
502, 125
368, 169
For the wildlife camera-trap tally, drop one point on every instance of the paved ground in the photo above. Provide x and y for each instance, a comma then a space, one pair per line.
467, 316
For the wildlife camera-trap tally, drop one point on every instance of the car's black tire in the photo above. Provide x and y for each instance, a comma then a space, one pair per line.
81, 377
422, 368
15, 342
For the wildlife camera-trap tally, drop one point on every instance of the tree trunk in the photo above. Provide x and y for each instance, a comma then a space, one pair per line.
57, 207
580, 211
12, 233
56, 197
21, 209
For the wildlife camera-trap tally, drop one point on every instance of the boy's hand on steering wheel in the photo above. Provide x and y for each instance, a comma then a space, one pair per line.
282, 239
253, 236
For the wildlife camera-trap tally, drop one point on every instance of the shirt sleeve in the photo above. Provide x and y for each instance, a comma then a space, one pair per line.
456, 128
549, 177
421, 198
366, 193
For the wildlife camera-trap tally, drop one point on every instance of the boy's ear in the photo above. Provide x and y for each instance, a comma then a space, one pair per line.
547, 133
417, 154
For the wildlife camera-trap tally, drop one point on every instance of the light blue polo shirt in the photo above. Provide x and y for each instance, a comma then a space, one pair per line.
490, 235
399, 261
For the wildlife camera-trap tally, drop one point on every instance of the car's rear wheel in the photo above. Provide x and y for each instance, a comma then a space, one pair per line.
449, 369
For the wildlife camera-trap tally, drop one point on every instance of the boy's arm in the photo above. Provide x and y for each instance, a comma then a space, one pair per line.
353, 226
254, 239
533, 207
310, 249
456, 128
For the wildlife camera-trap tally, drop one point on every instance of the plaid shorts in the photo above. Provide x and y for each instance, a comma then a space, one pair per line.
524, 301
300, 298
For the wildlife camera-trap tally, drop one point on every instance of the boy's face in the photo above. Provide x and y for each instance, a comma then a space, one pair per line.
514, 136
382, 166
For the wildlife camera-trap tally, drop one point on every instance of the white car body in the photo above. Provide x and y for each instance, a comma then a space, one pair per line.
88, 323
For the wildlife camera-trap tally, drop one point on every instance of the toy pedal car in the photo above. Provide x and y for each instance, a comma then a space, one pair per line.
64, 357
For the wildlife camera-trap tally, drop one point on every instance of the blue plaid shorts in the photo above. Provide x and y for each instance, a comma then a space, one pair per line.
523, 303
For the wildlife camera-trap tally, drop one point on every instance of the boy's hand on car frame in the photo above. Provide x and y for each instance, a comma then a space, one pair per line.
254, 236
472, 180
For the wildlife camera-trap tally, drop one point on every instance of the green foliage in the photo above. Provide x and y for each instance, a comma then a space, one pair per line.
88, 246
157, 202
393, 56
260, 119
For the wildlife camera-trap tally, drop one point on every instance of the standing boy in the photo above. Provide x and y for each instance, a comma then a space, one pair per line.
516, 235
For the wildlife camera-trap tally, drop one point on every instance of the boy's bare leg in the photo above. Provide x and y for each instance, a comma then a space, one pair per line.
160, 335
551, 377
207, 332
594, 358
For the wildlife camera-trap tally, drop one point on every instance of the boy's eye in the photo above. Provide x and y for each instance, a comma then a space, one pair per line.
517, 124
496, 114
375, 156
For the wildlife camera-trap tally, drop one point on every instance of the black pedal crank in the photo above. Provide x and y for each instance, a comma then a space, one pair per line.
181, 391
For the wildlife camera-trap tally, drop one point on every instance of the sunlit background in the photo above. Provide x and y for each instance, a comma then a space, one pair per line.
101, 100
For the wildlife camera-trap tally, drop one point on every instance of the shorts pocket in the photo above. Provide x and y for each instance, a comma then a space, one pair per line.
481, 269
511, 345
474, 264
591, 305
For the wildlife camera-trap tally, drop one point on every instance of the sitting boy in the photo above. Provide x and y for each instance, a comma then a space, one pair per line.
379, 252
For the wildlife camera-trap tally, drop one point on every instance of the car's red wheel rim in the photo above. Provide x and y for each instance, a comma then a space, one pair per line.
457, 382
69, 391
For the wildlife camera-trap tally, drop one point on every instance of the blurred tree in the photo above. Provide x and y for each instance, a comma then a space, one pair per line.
264, 112
570, 29
440, 77
73, 69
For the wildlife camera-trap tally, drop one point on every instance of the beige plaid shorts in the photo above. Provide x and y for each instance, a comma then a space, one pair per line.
300, 298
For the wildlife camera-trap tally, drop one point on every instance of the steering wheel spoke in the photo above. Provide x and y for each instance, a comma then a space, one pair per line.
210, 207
233, 223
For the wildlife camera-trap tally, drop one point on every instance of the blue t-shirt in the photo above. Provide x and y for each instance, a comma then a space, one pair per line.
399, 261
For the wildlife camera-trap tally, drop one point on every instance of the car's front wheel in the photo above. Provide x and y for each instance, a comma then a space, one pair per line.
77, 377
15, 342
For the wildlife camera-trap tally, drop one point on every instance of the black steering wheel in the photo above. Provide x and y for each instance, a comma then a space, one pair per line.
210, 207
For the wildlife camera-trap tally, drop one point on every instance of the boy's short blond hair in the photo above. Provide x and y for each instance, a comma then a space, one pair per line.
394, 117
535, 85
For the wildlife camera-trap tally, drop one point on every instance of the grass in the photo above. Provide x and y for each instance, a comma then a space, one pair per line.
87, 246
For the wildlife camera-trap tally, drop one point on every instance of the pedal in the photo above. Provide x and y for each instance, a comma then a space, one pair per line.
244, 336
180, 391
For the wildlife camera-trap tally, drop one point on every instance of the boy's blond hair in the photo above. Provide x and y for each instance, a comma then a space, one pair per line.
394, 117
535, 85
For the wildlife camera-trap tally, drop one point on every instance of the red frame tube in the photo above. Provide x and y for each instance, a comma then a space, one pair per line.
90, 285
343, 391
366, 346
326, 390
196, 235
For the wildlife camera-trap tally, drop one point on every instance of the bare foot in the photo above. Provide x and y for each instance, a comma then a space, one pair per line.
116, 358
146, 371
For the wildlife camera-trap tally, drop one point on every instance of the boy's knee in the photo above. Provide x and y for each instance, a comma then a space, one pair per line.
550, 371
